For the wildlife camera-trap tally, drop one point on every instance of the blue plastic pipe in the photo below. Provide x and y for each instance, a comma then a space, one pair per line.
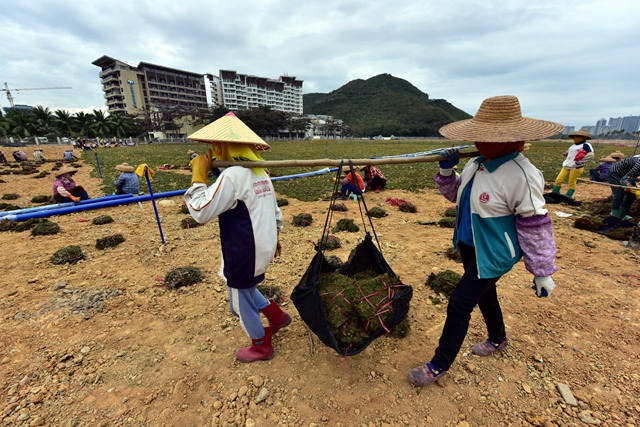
153, 202
124, 199
422, 153
98, 163
303, 175
99, 205
63, 205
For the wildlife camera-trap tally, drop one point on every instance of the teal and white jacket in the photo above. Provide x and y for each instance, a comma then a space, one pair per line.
505, 202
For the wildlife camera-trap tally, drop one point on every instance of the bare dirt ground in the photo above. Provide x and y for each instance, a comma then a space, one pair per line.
99, 343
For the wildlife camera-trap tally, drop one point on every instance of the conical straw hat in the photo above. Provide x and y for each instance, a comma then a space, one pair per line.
617, 155
64, 171
229, 128
608, 159
583, 133
499, 119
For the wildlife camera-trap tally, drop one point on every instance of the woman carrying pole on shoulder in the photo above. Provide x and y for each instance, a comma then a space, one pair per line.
499, 219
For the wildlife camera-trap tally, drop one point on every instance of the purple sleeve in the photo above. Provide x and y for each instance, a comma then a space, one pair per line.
448, 185
535, 235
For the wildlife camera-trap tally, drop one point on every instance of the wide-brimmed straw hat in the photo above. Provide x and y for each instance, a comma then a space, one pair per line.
618, 155
64, 171
125, 167
608, 159
499, 119
190, 152
583, 133
229, 128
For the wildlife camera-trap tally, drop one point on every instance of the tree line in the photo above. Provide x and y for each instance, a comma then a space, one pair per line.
41, 121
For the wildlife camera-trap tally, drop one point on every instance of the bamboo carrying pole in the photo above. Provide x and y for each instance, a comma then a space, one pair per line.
332, 162
605, 183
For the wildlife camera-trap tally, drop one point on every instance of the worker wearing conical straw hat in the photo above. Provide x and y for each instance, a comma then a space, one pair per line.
576, 157
500, 218
64, 187
599, 173
244, 201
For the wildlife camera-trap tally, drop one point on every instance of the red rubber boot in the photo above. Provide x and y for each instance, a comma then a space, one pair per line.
260, 349
277, 318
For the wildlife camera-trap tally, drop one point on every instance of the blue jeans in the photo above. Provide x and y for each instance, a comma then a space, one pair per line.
469, 292
350, 188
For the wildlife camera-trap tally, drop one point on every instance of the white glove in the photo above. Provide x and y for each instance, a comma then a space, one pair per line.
543, 286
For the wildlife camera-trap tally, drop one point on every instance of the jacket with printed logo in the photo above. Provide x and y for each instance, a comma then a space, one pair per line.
505, 202
249, 220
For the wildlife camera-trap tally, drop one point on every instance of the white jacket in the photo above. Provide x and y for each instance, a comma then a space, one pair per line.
249, 220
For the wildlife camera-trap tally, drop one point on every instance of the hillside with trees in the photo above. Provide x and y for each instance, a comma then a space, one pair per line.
384, 105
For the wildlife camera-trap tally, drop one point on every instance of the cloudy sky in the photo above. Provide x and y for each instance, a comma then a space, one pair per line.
570, 61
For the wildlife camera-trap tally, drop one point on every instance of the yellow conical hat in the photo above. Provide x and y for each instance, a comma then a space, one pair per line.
229, 128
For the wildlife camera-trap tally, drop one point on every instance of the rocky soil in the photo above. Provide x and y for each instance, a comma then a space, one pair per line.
103, 343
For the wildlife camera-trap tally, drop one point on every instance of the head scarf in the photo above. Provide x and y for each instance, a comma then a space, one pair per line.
238, 152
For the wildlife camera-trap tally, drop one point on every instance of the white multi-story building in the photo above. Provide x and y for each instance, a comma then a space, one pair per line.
241, 91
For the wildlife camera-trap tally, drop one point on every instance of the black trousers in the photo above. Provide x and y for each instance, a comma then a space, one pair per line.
469, 292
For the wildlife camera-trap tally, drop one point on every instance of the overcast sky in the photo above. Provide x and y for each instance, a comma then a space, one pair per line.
570, 61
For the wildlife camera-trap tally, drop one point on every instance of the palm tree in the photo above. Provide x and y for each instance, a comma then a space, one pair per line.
120, 124
19, 124
44, 120
64, 122
82, 123
100, 123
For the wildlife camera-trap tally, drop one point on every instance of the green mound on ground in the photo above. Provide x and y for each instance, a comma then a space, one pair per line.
450, 212
339, 207
281, 201
102, 219
42, 199
377, 212
408, 207
346, 224
109, 241
45, 228
183, 276
447, 222
443, 283
453, 254
18, 227
10, 196
189, 222
303, 220
334, 260
69, 254
329, 242
271, 292
9, 207
356, 306
184, 209
590, 223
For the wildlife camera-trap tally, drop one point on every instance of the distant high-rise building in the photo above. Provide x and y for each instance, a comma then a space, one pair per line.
135, 88
615, 123
567, 130
241, 91
630, 124
599, 125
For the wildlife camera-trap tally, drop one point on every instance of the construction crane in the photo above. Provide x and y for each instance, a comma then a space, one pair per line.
10, 98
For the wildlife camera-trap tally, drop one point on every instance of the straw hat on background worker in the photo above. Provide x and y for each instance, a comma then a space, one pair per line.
64, 171
125, 167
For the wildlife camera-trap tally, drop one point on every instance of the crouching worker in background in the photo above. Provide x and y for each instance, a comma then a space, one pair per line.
374, 178
500, 218
127, 182
65, 189
249, 218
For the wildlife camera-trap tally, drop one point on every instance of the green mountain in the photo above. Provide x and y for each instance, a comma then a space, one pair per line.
384, 105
